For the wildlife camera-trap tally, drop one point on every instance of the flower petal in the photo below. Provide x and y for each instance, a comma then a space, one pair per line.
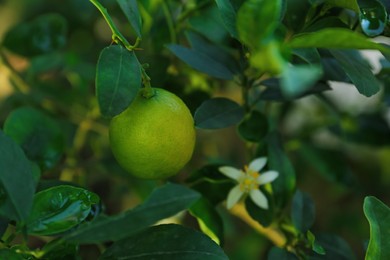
257, 164
231, 172
267, 177
259, 198
234, 196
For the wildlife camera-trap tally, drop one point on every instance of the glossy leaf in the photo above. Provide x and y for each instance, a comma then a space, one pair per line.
17, 182
373, 17
44, 34
378, 215
302, 211
201, 62
131, 11
349, 4
59, 209
256, 20
162, 203
228, 14
358, 70
118, 79
283, 186
210, 222
218, 113
170, 242
39, 135
335, 38
299, 78
254, 127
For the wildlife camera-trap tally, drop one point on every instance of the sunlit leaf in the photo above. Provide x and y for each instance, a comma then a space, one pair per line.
256, 20
335, 38
209, 220
378, 215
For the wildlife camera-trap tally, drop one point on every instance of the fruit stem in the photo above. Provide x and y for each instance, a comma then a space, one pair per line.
147, 91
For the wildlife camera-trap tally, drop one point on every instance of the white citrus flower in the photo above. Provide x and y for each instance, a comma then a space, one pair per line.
249, 181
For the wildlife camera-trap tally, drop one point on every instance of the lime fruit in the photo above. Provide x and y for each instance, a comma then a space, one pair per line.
154, 137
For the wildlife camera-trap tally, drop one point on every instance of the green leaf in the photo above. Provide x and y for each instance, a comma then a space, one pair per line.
39, 135
201, 62
283, 186
118, 79
60, 251
228, 14
9, 254
254, 127
131, 11
59, 209
349, 4
256, 20
314, 244
358, 70
210, 222
309, 55
273, 91
378, 215
218, 113
335, 248
299, 78
330, 163
296, 14
16, 179
264, 216
373, 17
280, 254
170, 242
302, 211
335, 38
162, 203
201, 44
3, 225
43, 34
